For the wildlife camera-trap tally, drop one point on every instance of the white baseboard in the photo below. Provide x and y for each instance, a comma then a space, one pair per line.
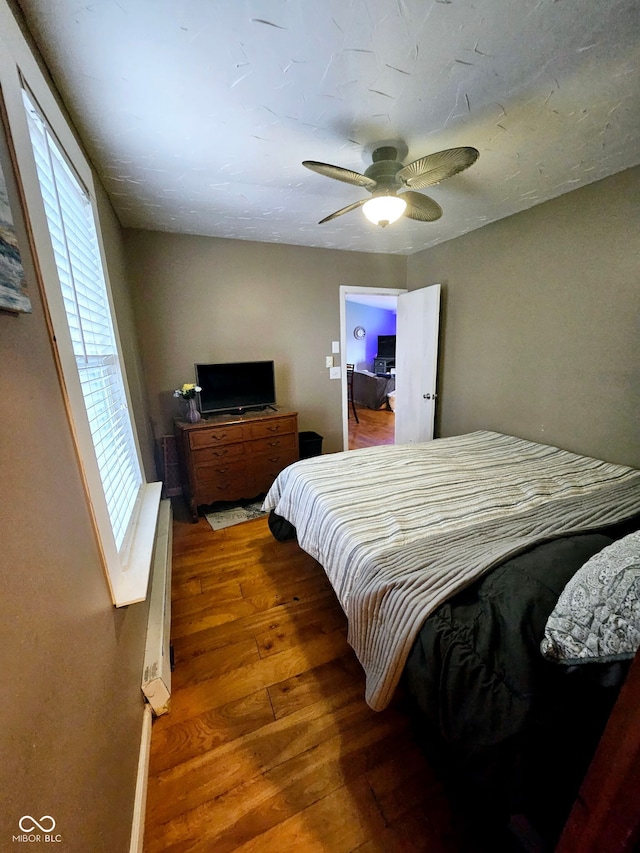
156, 676
140, 802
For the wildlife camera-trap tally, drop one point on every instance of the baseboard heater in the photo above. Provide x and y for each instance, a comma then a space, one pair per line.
156, 679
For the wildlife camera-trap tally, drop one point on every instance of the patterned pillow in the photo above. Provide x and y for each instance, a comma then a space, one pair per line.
597, 617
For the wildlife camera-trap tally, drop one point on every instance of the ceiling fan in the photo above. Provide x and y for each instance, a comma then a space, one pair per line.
387, 175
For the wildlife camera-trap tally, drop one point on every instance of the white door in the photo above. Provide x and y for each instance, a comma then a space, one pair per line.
416, 363
347, 292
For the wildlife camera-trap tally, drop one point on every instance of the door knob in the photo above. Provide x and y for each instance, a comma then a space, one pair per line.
429, 396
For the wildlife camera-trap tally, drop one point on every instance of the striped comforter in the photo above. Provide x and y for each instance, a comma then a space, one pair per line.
401, 528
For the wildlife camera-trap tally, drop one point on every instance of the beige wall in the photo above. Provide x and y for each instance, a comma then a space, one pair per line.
541, 322
71, 706
71, 709
539, 332
207, 299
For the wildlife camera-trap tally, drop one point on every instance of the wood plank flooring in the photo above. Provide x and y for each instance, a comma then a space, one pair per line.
377, 426
269, 745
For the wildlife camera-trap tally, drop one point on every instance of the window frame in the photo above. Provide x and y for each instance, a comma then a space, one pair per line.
127, 569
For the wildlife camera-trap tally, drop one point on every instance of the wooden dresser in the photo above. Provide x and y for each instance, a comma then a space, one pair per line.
230, 457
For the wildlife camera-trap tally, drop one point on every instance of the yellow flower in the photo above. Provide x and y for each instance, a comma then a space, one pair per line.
188, 391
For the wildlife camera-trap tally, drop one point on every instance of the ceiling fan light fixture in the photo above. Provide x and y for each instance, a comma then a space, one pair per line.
386, 175
384, 209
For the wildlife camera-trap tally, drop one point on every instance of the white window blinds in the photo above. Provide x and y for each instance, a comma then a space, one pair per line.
73, 236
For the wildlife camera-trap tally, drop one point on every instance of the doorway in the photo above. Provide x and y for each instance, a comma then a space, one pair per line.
370, 304
418, 319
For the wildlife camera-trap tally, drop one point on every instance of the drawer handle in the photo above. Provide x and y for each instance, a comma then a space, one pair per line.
274, 459
220, 452
274, 429
274, 443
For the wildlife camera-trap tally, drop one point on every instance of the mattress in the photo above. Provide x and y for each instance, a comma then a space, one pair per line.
399, 529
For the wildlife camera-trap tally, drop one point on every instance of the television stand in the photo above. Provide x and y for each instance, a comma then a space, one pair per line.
234, 456
382, 365
244, 410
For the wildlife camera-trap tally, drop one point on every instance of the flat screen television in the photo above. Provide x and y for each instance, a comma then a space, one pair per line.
386, 346
235, 386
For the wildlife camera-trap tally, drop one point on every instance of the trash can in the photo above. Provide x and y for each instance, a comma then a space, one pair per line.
309, 444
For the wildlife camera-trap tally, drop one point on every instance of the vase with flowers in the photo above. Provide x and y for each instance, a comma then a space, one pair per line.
188, 393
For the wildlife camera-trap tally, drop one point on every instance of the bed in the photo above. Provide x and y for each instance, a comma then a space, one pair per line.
451, 560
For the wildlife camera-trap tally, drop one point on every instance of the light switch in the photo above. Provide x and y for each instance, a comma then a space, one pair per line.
328, 361
334, 373
335, 346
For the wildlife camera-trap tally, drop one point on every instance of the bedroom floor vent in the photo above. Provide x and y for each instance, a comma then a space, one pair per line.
156, 679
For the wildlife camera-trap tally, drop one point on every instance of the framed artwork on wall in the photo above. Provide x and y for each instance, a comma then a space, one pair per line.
13, 285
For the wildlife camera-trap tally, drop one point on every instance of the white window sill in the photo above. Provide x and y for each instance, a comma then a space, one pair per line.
130, 584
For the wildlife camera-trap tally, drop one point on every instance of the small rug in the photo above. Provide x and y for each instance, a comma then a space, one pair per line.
228, 515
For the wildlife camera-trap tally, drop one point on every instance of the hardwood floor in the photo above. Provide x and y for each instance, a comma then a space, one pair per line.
375, 427
269, 745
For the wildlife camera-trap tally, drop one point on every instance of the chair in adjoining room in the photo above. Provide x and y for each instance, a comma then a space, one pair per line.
350, 369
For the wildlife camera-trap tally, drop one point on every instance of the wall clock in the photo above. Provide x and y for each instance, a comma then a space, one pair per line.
359, 333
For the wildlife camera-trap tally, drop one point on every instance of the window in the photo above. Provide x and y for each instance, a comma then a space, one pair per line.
113, 472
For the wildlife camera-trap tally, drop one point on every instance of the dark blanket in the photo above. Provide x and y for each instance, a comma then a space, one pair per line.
476, 665
514, 731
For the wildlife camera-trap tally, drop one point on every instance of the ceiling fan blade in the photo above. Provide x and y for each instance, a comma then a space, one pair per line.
430, 170
340, 174
342, 210
421, 207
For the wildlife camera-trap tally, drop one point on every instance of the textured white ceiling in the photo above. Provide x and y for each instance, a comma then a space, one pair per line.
375, 300
198, 114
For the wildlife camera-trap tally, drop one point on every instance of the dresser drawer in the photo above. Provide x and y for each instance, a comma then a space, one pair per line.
212, 481
207, 455
234, 459
274, 444
219, 470
266, 468
280, 426
215, 436
272, 465
224, 489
